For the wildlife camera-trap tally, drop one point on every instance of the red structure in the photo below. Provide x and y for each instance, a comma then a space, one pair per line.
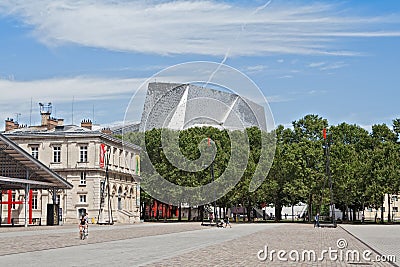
164, 210
9, 203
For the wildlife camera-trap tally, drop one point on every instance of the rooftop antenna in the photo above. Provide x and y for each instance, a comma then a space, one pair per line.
30, 114
17, 115
93, 116
73, 97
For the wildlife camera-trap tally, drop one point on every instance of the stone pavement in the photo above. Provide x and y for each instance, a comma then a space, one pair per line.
385, 239
36, 238
176, 244
287, 237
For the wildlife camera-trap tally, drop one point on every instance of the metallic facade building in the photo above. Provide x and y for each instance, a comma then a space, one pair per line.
181, 106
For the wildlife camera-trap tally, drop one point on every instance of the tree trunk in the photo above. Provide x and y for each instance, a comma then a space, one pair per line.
190, 214
201, 212
143, 214
278, 211
180, 213
150, 210
243, 212
309, 207
383, 204
292, 213
389, 220
157, 211
249, 209
165, 211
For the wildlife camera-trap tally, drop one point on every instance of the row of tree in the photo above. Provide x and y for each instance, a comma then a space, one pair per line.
363, 165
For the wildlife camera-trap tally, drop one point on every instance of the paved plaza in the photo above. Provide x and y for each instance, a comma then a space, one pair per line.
189, 244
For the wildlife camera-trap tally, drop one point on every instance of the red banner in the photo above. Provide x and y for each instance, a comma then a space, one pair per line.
102, 155
324, 133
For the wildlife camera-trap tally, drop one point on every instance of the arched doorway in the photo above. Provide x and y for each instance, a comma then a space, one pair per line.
81, 212
119, 198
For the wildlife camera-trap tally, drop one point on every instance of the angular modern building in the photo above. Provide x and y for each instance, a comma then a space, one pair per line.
181, 106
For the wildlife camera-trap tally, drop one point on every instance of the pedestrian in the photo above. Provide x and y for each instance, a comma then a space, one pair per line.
87, 222
227, 222
316, 222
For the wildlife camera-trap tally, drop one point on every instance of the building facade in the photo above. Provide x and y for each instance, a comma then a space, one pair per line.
85, 158
389, 200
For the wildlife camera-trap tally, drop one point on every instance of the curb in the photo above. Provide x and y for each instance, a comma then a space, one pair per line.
371, 248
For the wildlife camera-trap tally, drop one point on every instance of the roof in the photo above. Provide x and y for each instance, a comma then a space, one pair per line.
67, 131
181, 106
16, 164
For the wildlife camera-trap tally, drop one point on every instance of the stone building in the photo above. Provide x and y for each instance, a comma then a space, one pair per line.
80, 155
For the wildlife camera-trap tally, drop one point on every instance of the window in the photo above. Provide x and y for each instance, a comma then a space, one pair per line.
35, 152
383, 209
58, 197
13, 200
82, 198
83, 178
34, 202
395, 209
83, 156
56, 154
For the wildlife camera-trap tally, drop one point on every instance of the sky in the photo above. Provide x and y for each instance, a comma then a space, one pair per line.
337, 59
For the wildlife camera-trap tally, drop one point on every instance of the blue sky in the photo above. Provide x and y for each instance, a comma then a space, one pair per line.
338, 59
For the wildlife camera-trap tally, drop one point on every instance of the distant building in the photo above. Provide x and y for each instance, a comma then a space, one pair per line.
372, 214
181, 106
79, 154
127, 128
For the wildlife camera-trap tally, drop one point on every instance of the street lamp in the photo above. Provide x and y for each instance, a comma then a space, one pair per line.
215, 201
212, 177
393, 202
328, 174
107, 161
102, 185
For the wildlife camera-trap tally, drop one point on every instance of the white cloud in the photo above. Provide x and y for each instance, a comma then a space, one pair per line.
62, 91
327, 66
285, 77
335, 65
195, 27
255, 69
278, 98
316, 64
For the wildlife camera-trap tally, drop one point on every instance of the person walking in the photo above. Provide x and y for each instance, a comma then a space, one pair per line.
227, 222
82, 226
316, 222
87, 222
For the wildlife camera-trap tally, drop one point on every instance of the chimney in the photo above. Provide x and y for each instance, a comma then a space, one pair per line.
52, 123
86, 124
106, 131
11, 125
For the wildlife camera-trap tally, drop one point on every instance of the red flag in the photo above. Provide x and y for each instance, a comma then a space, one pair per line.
324, 133
102, 155
209, 141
